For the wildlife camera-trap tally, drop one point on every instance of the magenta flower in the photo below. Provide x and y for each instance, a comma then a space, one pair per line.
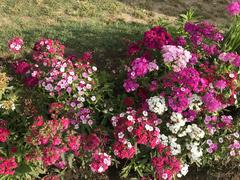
31, 82
139, 67
130, 85
211, 103
234, 8
21, 67
220, 84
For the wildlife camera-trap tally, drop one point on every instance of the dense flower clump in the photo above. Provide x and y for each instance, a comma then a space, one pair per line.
234, 8
200, 82
178, 108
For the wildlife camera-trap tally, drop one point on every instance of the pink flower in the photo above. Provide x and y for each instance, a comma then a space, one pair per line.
130, 85
234, 8
86, 56
51, 155
15, 44
220, 84
211, 103
134, 48
7, 166
4, 134
122, 150
176, 57
74, 142
100, 162
139, 67
153, 86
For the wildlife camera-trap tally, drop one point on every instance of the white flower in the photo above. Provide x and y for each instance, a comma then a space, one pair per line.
164, 139
100, 169
176, 117
182, 134
82, 99
157, 104
231, 75
129, 145
164, 175
129, 117
93, 98
130, 128
175, 148
195, 132
220, 140
145, 113
195, 153
120, 135
94, 68
88, 86
107, 161
177, 122
195, 102
62, 69
148, 127
184, 170
236, 135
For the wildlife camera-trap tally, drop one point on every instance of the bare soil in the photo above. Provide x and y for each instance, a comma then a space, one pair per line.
212, 10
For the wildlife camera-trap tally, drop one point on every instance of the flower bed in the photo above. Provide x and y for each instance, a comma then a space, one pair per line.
178, 107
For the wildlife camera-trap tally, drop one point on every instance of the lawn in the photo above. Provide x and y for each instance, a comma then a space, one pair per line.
82, 25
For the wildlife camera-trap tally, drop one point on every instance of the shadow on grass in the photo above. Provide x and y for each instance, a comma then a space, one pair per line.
107, 41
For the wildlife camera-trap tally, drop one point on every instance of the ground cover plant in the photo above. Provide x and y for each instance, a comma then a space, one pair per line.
172, 104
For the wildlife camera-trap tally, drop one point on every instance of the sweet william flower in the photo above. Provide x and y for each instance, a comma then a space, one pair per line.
220, 84
128, 101
211, 103
4, 134
15, 44
130, 85
100, 162
21, 67
234, 8
91, 142
31, 81
156, 37
7, 166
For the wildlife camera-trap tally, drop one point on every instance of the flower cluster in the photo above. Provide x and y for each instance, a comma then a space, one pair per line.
191, 97
200, 34
4, 132
139, 68
7, 166
157, 104
156, 37
234, 8
15, 44
165, 165
100, 162
180, 107
176, 57
230, 57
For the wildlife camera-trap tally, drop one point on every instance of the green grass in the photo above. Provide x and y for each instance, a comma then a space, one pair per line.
102, 26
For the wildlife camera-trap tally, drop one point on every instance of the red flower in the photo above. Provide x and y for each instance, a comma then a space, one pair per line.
128, 101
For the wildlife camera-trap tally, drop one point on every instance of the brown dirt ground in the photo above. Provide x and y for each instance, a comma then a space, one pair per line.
212, 10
